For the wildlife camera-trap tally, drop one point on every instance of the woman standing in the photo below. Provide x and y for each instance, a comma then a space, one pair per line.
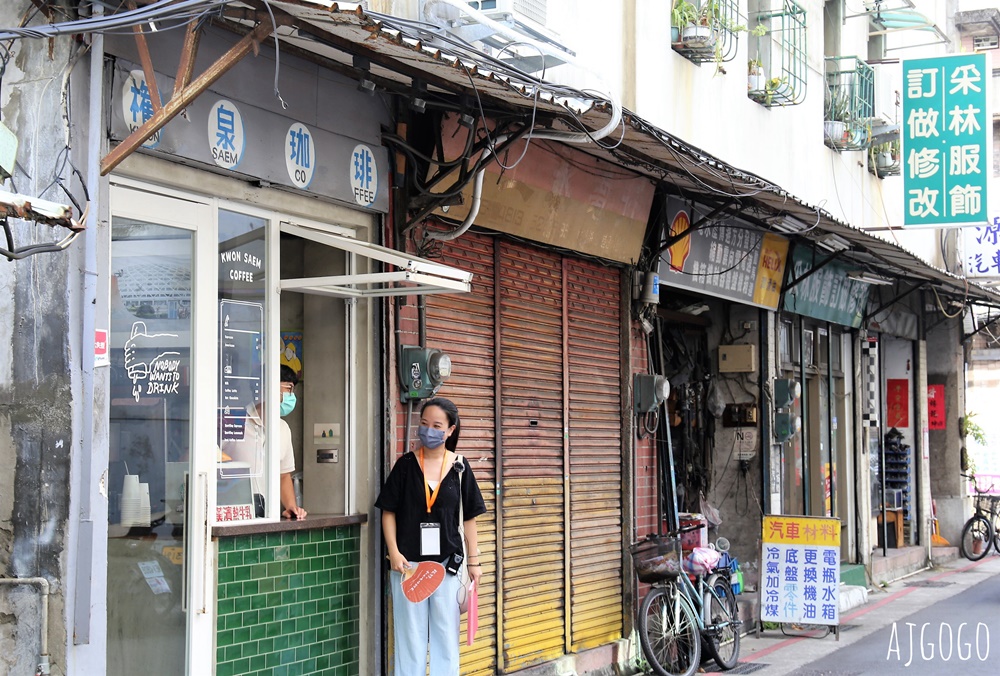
420, 522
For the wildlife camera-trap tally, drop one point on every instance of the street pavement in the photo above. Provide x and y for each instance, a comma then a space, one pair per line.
956, 607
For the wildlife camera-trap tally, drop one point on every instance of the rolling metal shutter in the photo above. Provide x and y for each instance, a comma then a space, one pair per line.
463, 324
595, 515
532, 481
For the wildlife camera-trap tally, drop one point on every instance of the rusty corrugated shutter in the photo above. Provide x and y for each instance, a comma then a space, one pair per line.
463, 325
531, 364
594, 355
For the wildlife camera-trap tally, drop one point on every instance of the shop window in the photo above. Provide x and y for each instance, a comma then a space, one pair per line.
776, 66
849, 103
809, 347
836, 353
824, 348
244, 393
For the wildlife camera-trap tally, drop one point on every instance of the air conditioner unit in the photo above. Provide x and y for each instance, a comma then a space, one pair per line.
888, 86
519, 10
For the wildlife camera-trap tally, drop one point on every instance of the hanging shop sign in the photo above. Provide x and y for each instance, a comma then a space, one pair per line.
728, 260
897, 391
553, 194
828, 294
946, 139
935, 408
981, 250
800, 580
314, 155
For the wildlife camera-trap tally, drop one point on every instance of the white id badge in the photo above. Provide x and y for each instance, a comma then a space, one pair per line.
430, 539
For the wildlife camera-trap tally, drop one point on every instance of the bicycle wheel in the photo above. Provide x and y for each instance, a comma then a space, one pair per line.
976, 537
723, 632
996, 535
668, 633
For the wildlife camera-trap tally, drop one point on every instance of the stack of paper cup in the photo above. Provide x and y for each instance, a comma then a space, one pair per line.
144, 517
130, 501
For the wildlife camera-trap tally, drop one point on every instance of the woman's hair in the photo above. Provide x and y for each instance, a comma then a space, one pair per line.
288, 375
451, 411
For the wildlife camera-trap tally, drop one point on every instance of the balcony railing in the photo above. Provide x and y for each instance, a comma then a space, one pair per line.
776, 70
849, 103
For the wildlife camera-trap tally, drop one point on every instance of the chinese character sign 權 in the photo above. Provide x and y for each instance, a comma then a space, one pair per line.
800, 576
946, 132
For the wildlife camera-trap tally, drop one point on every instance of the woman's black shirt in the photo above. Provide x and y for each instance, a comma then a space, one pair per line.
403, 494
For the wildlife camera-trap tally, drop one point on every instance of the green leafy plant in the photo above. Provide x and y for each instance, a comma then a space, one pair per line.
970, 428
755, 67
683, 13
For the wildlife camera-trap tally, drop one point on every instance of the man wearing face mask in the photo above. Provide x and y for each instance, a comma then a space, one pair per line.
250, 449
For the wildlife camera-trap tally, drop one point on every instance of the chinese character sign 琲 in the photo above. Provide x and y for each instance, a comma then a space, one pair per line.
800, 576
946, 133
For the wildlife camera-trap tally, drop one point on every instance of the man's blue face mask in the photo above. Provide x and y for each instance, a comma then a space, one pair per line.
287, 403
430, 437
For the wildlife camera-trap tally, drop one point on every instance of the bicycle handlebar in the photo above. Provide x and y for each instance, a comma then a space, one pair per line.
975, 485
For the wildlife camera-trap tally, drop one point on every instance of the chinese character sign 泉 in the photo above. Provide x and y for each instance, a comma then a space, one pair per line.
946, 131
800, 576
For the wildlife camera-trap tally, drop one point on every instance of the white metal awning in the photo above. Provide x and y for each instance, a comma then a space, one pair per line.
412, 275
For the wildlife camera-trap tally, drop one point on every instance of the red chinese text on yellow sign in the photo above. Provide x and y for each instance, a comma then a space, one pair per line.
802, 530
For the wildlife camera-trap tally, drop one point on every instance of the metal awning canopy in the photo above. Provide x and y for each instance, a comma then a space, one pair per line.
395, 53
413, 275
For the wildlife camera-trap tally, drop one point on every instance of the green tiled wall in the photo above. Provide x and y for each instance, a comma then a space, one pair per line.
288, 603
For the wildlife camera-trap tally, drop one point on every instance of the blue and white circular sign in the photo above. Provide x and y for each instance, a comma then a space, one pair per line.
364, 175
300, 155
137, 105
226, 139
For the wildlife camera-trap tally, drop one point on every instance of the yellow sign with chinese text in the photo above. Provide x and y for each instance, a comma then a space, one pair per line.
802, 530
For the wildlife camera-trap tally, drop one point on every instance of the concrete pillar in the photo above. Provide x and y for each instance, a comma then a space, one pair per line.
947, 367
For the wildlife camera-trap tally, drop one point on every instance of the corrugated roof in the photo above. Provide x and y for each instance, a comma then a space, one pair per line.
400, 51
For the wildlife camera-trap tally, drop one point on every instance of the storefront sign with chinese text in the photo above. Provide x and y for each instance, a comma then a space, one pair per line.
946, 134
827, 294
982, 250
897, 392
935, 407
800, 576
724, 259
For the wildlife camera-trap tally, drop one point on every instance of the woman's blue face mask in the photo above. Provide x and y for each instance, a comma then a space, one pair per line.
287, 403
430, 437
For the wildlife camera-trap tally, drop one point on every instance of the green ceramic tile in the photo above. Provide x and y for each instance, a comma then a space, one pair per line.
251, 556
301, 654
258, 540
322, 548
265, 646
257, 632
226, 606
287, 656
251, 587
241, 635
233, 652
242, 542
234, 621
295, 641
234, 589
273, 539
225, 669
226, 575
242, 573
281, 583
273, 599
267, 615
243, 604
224, 639
280, 643
257, 663
251, 618
322, 661
241, 666
251, 649
227, 544
273, 659
287, 537
234, 558
309, 549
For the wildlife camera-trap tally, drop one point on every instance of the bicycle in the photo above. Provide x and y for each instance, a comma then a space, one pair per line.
678, 614
981, 528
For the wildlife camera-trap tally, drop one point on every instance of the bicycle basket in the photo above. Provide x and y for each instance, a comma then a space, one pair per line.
656, 558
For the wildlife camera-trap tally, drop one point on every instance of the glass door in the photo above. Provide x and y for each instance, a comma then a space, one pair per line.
157, 598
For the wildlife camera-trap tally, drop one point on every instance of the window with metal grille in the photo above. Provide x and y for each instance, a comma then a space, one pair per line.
776, 66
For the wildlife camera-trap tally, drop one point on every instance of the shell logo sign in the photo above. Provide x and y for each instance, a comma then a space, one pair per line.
681, 249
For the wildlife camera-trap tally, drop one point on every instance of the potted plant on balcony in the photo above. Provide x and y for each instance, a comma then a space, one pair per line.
838, 109
682, 14
703, 32
755, 75
885, 157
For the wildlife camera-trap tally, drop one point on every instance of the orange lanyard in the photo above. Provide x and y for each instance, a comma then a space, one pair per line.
429, 497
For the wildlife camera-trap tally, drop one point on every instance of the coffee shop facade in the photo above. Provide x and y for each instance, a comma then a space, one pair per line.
260, 226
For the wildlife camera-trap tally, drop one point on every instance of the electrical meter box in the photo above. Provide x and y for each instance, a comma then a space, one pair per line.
737, 358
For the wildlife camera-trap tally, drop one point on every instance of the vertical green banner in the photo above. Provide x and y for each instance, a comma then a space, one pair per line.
946, 135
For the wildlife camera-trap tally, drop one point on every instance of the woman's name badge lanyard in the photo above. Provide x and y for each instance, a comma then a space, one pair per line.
430, 533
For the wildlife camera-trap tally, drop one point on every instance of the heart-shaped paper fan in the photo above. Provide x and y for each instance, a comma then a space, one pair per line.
421, 580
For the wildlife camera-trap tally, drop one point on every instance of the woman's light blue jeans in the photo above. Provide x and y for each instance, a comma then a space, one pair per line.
433, 623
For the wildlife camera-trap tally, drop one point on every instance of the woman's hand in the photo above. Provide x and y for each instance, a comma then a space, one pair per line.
398, 562
475, 572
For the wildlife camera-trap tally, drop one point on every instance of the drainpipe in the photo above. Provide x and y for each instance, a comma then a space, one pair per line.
43, 590
85, 535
